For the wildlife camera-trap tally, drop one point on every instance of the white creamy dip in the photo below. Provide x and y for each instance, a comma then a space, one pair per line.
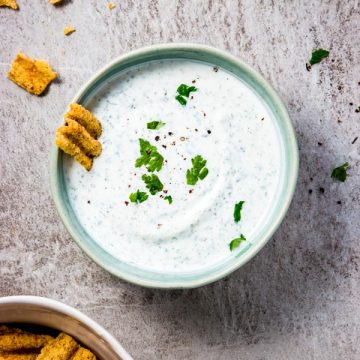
225, 122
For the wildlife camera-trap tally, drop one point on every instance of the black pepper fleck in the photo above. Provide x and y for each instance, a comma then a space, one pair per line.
354, 141
351, 104
126, 203
310, 191
88, 201
170, 133
308, 67
320, 143
194, 81
164, 146
191, 191
215, 68
339, 202
196, 130
322, 190
209, 132
157, 138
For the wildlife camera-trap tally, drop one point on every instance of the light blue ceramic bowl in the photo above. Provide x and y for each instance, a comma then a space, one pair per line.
290, 168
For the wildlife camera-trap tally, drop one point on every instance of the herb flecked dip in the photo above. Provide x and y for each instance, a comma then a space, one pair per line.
187, 221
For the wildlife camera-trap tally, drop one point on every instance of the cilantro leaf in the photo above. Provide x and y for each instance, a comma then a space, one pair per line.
183, 92
198, 171
168, 198
318, 55
237, 211
150, 157
340, 173
138, 197
235, 243
155, 125
153, 183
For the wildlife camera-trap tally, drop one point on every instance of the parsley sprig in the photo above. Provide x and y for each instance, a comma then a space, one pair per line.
198, 170
153, 183
340, 173
138, 197
155, 125
150, 157
235, 243
183, 92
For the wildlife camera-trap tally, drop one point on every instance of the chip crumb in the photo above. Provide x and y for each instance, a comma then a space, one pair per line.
111, 5
55, 2
31, 74
9, 3
69, 30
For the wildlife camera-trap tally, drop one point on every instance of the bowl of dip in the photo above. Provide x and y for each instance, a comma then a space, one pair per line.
224, 112
58, 317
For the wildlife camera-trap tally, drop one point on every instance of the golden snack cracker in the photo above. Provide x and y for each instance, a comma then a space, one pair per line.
62, 348
32, 75
73, 150
111, 5
68, 30
22, 341
9, 3
85, 118
78, 134
83, 354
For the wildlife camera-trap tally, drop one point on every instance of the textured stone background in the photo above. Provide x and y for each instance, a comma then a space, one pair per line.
300, 297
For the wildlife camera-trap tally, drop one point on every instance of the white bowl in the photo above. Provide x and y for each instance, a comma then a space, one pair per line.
56, 315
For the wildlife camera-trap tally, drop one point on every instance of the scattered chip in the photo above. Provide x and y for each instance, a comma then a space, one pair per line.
22, 341
55, 2
83, 354
62, 348
69, 30
78, 136
111, 5
9, 3
32, 75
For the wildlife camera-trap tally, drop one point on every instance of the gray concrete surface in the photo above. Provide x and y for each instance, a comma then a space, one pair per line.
300, 297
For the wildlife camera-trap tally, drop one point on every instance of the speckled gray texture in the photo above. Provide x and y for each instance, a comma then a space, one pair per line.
300, 297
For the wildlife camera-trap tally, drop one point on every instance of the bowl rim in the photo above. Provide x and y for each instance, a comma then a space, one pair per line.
291, 175
72, 313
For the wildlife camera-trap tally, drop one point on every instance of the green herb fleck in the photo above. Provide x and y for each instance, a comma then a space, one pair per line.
236, 242
318, 55
150, 157
181, 99
237, 211
155, 125
138, 197
198, 171
153, 183
183, 91
168, 198
340, 173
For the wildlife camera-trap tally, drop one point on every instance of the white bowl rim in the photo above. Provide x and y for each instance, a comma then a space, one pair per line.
242, 260
71, 312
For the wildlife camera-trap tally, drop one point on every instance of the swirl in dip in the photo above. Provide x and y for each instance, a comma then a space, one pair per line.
224, 121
